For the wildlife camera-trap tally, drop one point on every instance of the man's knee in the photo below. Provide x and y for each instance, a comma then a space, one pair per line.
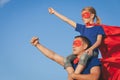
68, 60
83, 59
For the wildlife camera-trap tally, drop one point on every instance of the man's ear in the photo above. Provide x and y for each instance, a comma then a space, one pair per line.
85, 46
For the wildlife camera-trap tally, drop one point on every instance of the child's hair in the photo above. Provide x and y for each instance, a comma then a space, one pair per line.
85, 40
93, 11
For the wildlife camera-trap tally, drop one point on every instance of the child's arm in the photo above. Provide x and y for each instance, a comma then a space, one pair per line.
95, 45
70, 22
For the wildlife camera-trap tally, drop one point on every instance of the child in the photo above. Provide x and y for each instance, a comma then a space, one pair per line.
93, 32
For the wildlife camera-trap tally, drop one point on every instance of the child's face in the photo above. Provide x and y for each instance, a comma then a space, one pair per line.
87, 17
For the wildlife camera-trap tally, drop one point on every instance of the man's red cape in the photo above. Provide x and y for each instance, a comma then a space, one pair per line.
110, 50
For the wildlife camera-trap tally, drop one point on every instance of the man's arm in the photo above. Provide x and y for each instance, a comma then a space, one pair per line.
47, 52
50, 54
70, 22
94, 74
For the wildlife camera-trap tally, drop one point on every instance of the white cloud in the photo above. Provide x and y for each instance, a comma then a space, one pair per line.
3, 2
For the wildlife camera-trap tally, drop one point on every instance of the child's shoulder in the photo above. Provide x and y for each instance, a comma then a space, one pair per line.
98, 27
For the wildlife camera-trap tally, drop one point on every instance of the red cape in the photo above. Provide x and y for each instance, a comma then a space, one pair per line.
110, 50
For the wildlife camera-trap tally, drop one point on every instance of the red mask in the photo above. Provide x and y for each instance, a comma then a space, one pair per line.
86, 15
77, 43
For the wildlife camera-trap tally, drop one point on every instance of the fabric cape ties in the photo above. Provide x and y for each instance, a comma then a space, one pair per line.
76, 60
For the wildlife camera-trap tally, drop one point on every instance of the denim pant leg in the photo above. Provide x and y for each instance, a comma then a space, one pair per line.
95, 54
84, 58
68, 60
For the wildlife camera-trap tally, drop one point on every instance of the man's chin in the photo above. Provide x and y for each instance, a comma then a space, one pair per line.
74, 53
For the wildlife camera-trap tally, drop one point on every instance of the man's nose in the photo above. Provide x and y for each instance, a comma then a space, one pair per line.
73, 46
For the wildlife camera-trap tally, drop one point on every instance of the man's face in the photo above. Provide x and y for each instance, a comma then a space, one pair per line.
78, 46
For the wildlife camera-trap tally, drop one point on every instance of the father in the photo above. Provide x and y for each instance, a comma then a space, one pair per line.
80, 44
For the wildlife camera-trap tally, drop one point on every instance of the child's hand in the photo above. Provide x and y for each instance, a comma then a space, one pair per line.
51, 10
89, 51
34, 41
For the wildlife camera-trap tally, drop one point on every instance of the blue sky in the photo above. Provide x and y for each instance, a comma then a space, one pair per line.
20, 20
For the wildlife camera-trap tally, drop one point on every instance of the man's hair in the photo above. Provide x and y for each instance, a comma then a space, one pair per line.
85, 40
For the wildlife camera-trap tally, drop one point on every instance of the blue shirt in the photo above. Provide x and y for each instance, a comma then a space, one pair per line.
91, 63
91, 33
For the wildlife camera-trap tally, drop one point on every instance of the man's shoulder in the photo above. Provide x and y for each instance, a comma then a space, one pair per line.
94, 61
94, 58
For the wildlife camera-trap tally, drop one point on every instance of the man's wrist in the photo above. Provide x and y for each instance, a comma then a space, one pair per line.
36, 44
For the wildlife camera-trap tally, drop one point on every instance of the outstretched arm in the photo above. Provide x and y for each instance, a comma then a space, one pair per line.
47, 52
72, 23
50, 54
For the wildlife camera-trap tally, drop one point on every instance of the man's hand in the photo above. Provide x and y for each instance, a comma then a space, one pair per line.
73, 75
70, 77
51, 10
34, 41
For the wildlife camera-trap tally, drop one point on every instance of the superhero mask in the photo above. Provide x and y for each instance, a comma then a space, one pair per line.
77, 43
86, 15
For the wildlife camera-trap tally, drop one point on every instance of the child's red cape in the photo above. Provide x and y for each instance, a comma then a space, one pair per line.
110, 50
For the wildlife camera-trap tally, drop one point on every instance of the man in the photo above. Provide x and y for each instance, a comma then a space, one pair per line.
80, 44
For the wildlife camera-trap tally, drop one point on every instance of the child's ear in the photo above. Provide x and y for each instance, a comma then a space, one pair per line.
92, 16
